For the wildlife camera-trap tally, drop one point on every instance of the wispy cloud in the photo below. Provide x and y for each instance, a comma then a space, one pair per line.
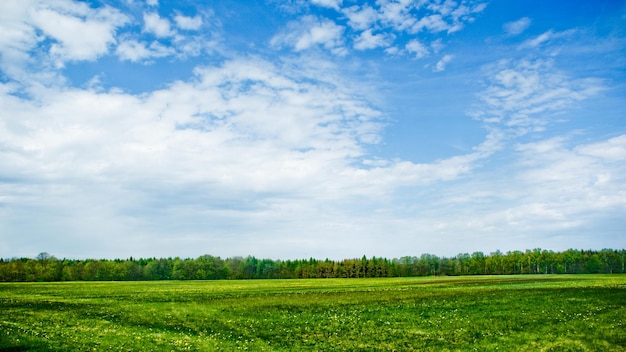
612, 150
526, 95
441, 64
552, 190
333, 4
361, 17
517, 27
368, 40
416, 47
135, 51
188, 23
546, 37
574, 182
312, 32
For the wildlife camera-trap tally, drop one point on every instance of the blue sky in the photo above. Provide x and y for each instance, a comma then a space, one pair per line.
322, 128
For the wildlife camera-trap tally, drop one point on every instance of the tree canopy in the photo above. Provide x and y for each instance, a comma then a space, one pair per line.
46, 267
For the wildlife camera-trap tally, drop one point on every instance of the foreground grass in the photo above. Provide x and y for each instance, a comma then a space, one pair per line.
510, 313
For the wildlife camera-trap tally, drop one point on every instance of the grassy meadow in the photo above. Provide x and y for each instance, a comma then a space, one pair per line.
472, 313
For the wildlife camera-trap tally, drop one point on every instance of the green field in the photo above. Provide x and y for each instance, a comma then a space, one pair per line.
482, 313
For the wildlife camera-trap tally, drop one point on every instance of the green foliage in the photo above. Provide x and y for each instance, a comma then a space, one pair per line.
509, 313
47, 268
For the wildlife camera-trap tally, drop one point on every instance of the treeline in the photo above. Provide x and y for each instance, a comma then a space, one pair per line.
46, 267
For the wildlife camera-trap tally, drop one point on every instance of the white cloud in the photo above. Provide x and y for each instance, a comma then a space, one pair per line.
367, 40
15, 30
188, 23
574, 181
327, 34
360, 18
403, 20
437, 45
444, 8
393, 50
612, 150
441, 64
333, 4
396, 14
17, 36
135, 51
310, 32
37, 37
480, 7
153, 23
152, 2
40, 36
433, 17
517, 27
420, 50
433, 23
266, 132
77, 31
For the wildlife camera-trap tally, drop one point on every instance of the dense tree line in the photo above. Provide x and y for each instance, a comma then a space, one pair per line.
46, 267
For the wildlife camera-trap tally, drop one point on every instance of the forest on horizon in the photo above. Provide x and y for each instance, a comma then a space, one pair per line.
46, 267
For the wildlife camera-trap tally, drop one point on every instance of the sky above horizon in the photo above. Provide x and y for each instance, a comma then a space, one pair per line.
326, 128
